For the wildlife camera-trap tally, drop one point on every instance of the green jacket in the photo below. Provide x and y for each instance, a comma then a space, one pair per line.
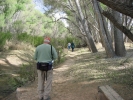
43, 53
72, 45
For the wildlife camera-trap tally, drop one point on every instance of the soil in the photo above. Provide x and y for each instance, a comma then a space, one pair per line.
69, 84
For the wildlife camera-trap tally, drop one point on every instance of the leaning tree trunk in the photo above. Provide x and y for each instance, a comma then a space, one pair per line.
108, 49
125, 8
109, 38
85, 27
112, 31
118, 37
127, 22
126, 31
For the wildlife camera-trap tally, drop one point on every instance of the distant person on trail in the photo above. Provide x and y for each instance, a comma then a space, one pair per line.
72, 46
45, 54
69, 46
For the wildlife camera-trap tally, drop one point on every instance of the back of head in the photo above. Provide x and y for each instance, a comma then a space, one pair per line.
47, 40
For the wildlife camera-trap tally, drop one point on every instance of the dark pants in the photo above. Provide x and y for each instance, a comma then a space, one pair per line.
72, 49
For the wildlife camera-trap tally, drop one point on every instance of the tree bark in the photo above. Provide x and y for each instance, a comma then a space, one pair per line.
85, 27
118, 37
109, 50
118, 25
118, 6
105, 23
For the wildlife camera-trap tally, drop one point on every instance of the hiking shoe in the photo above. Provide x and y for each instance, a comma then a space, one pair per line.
42, 98
47, 98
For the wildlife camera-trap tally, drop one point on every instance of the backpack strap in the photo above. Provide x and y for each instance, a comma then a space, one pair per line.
52, 59
51, 52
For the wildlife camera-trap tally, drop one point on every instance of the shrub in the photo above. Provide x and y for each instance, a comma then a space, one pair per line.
70, 39
3, 38
33, 40
27, 73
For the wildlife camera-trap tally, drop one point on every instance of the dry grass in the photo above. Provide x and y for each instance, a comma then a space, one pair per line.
116, 72
17, 45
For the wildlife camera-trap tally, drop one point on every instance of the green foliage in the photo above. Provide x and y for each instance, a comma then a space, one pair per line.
13, 83
55, 5
11, 2
29, 20
68, 12
38, 41
27, 73
20, 7
24, 1
18, 26
69, 39
6, 85
2, 20
60, 44
3, 38
10, 8
72, 39
104, 7
33, 40
23, 37
9, 12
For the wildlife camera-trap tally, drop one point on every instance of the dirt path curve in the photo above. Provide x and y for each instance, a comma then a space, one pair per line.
64, 86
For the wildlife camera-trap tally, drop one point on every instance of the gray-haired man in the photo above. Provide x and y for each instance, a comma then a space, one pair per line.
43, 54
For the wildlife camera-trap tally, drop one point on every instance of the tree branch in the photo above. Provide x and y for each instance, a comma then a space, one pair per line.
118, 25
118, 6
72, 23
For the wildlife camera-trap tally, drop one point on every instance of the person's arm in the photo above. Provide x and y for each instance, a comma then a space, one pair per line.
55, 56
35, 55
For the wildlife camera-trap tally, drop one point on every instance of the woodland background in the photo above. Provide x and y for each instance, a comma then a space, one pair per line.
90, 22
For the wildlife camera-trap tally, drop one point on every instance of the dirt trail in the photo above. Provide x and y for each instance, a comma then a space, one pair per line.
64, 87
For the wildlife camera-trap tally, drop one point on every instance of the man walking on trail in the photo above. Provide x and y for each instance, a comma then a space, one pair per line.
44, 55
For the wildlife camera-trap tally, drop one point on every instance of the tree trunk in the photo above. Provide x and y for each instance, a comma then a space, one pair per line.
112, 30
118, 25
106, 28
120, 6
118, 37
88, 44
108, 49
85, 27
